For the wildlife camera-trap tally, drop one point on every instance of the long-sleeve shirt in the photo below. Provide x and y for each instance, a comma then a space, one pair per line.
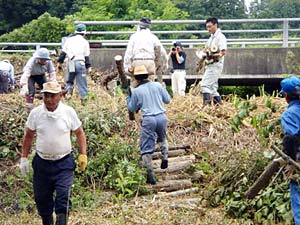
141, 45
33, 68
148, 97
290, 119
8, 67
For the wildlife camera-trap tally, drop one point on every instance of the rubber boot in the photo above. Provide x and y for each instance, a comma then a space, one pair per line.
29, 103
163, 146
217, 100
47, 220
147, 162
206, 99
61, 219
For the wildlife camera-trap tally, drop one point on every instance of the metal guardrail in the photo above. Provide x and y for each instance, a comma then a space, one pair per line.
285, 40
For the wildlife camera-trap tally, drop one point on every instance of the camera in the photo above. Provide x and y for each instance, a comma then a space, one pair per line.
173, 49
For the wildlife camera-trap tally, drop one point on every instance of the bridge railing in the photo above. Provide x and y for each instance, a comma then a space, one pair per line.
285, 36
284, 32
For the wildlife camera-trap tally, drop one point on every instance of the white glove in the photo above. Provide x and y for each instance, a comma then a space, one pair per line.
24, 166
24, 90
200, 54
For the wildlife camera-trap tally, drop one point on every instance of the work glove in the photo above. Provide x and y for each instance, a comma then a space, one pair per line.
82, 162
24, 166
24, 90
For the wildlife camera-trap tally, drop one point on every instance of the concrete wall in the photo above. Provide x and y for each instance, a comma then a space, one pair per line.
240, 63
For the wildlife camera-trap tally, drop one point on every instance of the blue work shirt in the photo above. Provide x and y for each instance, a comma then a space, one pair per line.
148, 97
290, 119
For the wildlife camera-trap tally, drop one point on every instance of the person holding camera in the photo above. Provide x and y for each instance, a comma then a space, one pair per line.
178, 76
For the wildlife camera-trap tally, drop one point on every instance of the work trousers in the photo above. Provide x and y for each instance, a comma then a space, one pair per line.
295, 201
81, 79
209, 83
4, 82
51, 177
178, 78
154, 129
39, 79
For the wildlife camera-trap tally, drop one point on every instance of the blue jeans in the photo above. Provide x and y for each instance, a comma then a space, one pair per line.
81, 81
154, 130
295, 200
49, 177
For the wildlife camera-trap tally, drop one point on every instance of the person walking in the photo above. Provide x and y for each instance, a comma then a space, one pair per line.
149, 97
178, 77
35, 72
216, 46
290, 121
77, 50
141, 51
7, 76
53, 163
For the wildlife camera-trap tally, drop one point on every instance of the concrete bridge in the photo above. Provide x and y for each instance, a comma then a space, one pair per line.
243, 66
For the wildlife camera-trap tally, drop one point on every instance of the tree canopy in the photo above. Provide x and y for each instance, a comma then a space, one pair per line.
47, 21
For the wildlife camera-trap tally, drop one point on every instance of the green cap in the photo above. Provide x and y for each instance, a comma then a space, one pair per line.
80, 28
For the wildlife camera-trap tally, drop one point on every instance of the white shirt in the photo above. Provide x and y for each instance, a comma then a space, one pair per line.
141, 45
53, 130
8, 67
217, 39
76, 47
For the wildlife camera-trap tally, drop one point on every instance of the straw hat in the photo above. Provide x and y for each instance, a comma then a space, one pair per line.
51, 87
140, 70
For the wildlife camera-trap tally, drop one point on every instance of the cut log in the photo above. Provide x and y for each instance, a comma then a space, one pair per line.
263, 180
123, 79
172, 185
174, 176
176, 147
178, 193
122, 76
176, 167
174, 160
174, 153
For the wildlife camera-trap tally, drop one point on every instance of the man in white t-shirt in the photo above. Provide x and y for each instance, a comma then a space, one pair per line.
209, 83
53, 164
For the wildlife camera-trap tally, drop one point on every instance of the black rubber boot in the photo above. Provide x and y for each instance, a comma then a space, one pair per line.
217, 100
47, 220
147, 162
164, 164
150, 177
61, 219
206, 99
